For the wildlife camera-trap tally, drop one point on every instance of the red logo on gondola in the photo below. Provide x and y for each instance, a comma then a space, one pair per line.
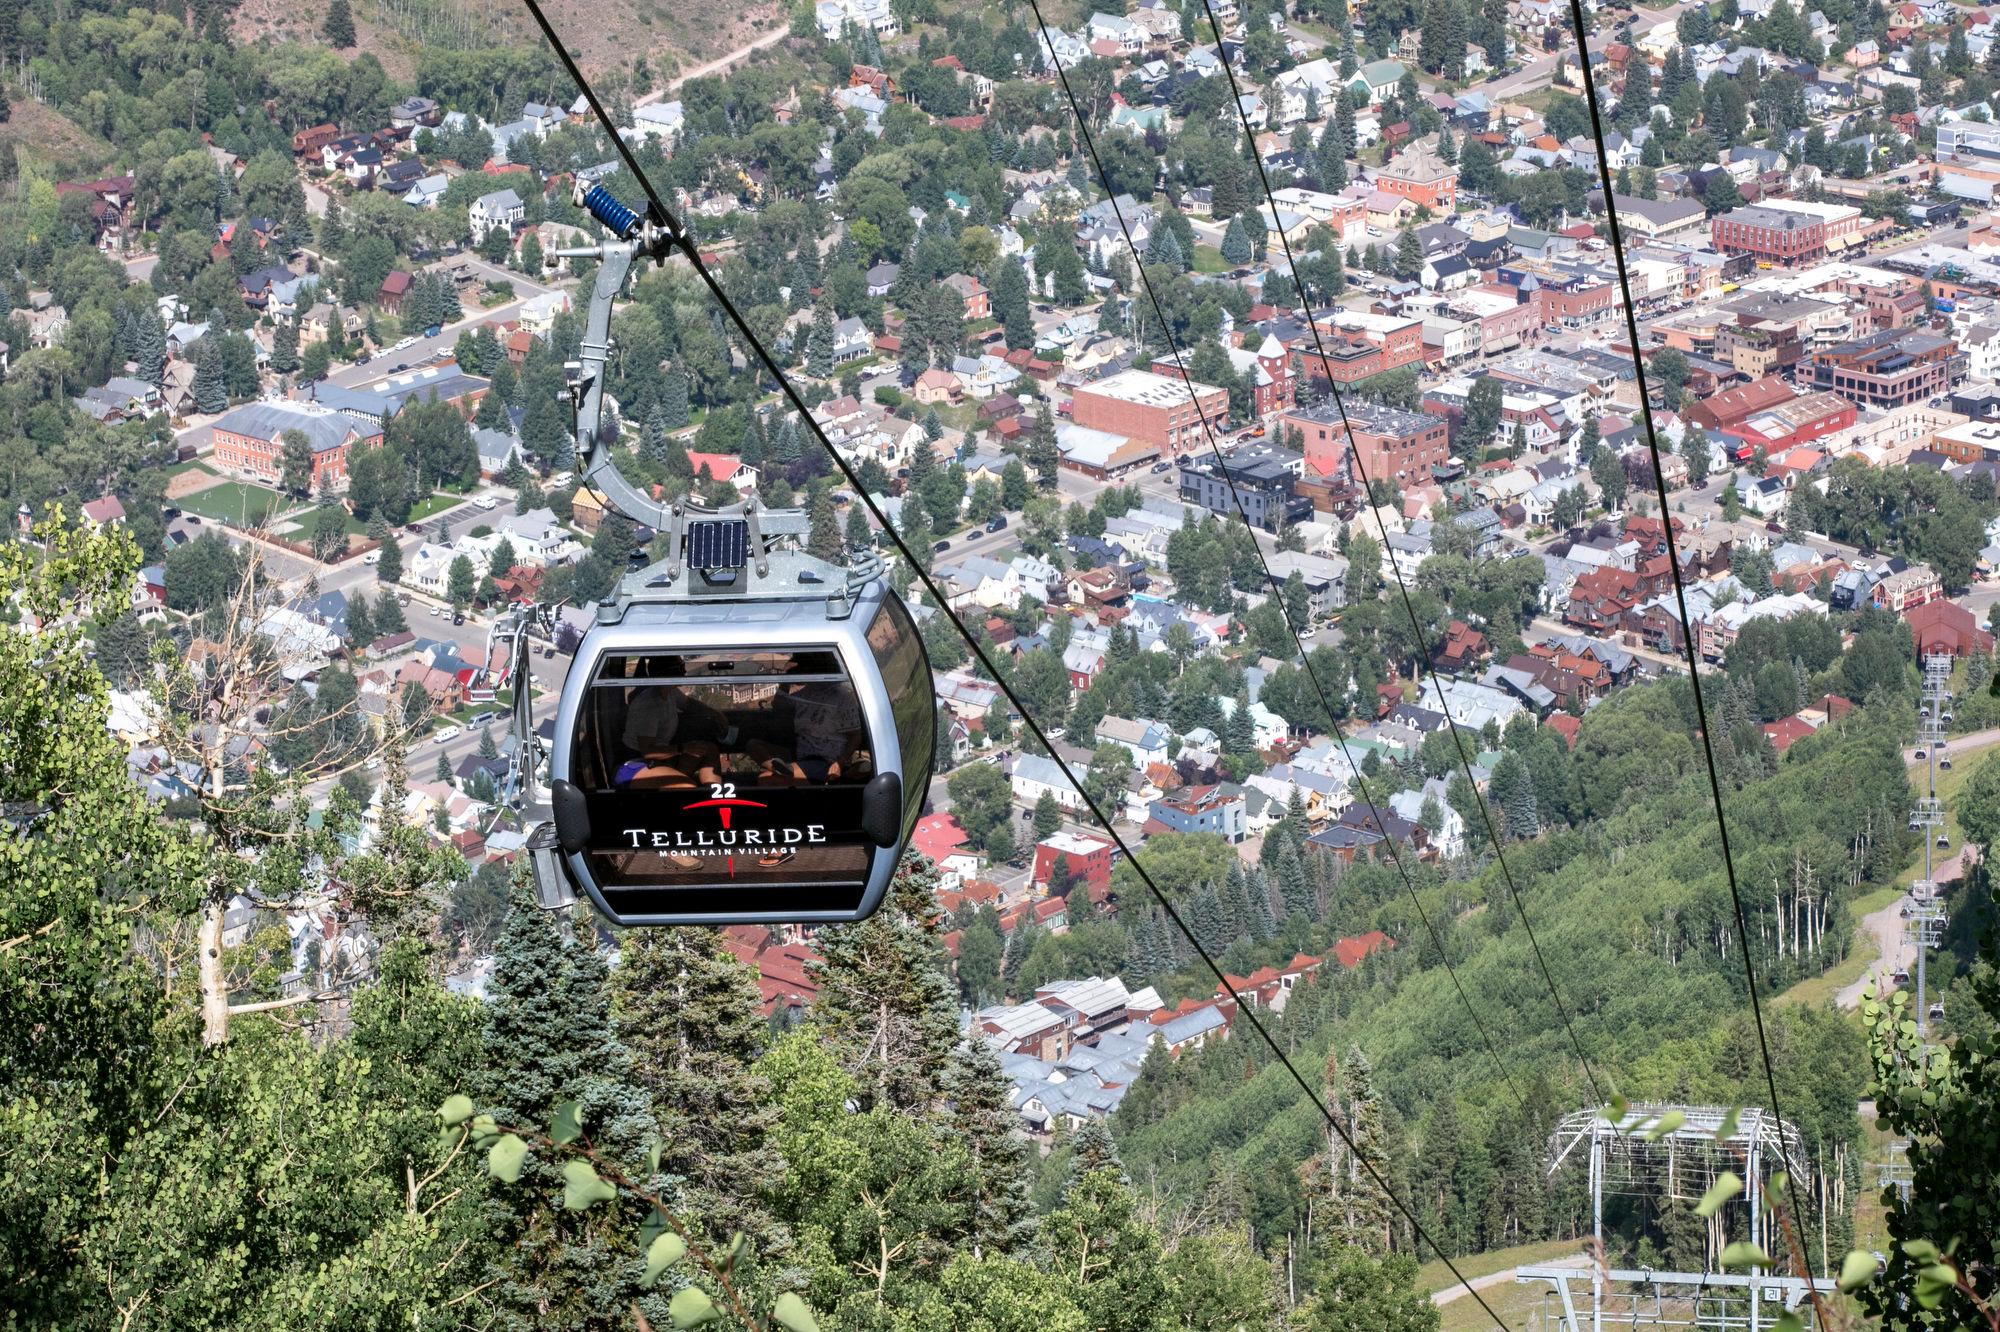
724, 807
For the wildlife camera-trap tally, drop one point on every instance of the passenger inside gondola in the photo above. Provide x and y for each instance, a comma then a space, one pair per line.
731, 718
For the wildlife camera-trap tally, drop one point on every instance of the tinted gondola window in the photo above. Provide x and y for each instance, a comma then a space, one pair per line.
758, 718
725, 770
906, 674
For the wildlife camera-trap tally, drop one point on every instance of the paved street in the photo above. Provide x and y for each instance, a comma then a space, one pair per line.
420, 351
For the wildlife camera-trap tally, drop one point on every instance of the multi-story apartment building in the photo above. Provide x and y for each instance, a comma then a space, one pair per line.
1892, 368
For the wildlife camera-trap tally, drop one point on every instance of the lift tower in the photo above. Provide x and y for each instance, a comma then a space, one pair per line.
1923, 923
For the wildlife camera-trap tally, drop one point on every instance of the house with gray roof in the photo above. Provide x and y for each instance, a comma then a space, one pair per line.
490, 212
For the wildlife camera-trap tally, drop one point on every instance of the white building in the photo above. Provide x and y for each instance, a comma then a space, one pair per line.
490, 212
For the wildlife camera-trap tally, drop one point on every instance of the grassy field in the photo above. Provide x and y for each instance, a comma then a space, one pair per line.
233, 502
1434, 1276
424, 508
1208, 259
1518, 1305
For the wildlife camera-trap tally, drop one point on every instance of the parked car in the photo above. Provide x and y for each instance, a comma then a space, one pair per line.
941, 547
458, 617
444, 733
402, 365
363, 359
998, 524
1162, 467
487, 502
373, 557
478, 719
432, 331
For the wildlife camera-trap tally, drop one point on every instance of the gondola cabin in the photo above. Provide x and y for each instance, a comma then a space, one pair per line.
742, 740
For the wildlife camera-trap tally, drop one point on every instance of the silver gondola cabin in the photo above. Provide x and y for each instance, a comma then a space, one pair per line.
745, 735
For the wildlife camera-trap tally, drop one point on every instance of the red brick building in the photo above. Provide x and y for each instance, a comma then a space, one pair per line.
1088, 858
1153, 409
1390, 442
1360, 344
251, 439
1772, 235
1577, 306
1794, 422
978, 303
1420, 174
1722, 410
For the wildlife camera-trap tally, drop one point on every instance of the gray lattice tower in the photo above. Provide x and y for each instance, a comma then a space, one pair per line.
1923, 919
1673, 1153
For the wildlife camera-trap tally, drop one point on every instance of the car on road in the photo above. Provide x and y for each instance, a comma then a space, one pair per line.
458, 617
998, 524
432, 331
478, 719
487, 502
402, 598
363, 359
372, 558
437, 612
941, 547
444, 733
1162, 467
402, 365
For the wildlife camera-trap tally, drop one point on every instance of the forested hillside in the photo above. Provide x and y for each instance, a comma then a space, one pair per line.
1633, 916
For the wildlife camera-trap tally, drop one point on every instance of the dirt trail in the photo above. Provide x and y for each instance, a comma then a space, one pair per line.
717, 65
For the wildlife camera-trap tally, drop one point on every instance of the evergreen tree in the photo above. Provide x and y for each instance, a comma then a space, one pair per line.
981, 1120
285, 347
338, 29
819, 345
673, 399
653, 435
688, 1011
548, 1038
1043, 455
1357, 1208
1010, 302
360, 621
1236, 243
823, 534
857, 527
887, 1009
211, 394
149, 348
389, 568
1409, 255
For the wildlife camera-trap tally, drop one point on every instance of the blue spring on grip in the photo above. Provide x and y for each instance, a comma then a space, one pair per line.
604, 206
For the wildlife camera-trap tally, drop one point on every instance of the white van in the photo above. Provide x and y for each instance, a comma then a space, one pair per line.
444, 733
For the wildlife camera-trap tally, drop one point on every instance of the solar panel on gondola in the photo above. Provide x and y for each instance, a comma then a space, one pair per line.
718, 544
